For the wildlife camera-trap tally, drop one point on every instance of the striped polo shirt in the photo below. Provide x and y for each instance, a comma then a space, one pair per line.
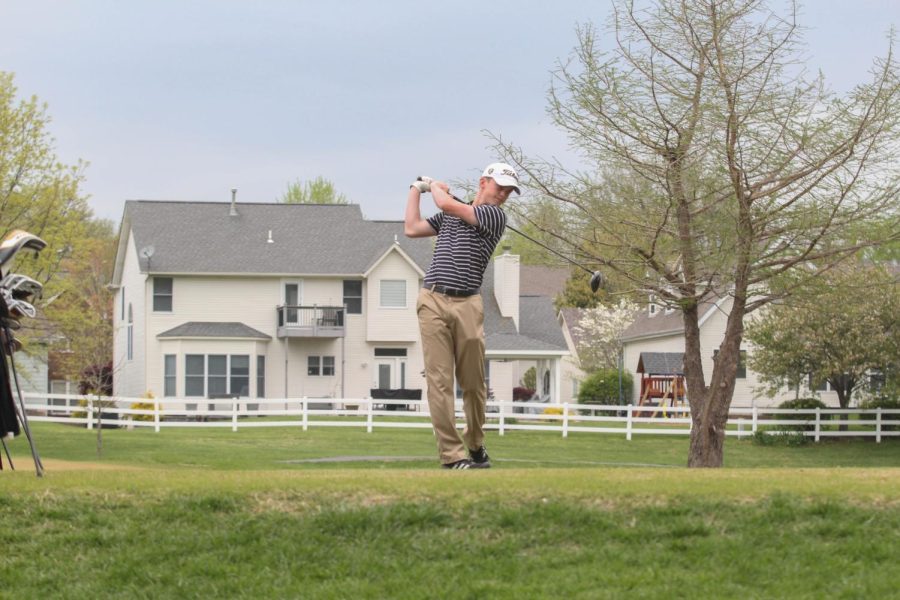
462, 251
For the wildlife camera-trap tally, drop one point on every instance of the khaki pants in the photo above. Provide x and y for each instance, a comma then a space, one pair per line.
453, 341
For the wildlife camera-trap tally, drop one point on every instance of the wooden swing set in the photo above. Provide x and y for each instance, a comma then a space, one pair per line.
662, 381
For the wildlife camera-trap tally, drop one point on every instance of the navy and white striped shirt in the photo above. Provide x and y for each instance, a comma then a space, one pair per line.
462, 251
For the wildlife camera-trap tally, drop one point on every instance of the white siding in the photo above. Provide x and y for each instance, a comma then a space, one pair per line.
254, 301
129, 375
31, 368
392, 324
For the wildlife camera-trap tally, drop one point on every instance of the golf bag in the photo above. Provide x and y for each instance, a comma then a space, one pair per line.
17, 296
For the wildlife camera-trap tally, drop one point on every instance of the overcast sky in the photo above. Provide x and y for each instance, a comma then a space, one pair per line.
185, 99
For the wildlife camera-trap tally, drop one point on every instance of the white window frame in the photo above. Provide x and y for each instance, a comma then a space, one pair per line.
130, 334
381, 291
171, 296
320, 365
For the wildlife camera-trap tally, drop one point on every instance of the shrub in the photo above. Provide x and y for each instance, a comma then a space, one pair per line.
882, 402
522, 394
779, 438
602, 387
143, 406
529, 379
804, 404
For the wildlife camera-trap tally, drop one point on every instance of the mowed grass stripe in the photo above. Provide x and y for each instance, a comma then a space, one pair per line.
228, 543
292, 448
200, 514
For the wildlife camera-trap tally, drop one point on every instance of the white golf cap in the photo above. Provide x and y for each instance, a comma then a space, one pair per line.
503, 174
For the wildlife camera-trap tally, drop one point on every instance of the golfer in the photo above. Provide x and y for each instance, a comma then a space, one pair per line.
450, 309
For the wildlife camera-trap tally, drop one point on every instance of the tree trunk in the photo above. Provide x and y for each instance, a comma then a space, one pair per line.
709, 405
843, 385
707, 444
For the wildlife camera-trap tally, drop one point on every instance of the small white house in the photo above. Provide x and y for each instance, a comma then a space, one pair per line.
658, 330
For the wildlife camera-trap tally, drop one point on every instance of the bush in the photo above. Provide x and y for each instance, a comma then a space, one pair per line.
602, 387
522, 394
143, 406
529, 379
779, 438
804, 404
882, 402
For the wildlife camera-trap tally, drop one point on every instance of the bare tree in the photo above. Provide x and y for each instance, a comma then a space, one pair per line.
722, 168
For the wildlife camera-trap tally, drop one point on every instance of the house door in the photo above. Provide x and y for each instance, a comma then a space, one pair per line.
390, 373
291, 298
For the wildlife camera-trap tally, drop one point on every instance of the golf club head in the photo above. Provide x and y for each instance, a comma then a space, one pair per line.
596, 281
20, 308
15, 241
21, 285
14, 346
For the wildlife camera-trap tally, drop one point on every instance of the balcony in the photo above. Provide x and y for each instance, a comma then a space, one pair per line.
310, 321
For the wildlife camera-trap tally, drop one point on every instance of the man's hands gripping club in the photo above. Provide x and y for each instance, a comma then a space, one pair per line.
423, 184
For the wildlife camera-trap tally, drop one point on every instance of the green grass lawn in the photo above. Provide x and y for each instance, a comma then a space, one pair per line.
211, 513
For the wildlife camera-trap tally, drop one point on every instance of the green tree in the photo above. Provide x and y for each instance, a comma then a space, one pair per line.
81, 316
720, 168
837, 331
577, 293
38, 194
316, 191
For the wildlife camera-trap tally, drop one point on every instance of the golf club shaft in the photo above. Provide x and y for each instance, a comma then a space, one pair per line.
23, 416
541, 244
9, 459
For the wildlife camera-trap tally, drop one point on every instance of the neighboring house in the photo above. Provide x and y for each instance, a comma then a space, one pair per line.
269, 301
569, 318
658, 330
538, 284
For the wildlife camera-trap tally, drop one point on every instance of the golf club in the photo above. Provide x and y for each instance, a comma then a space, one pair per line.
15, 241
596, 276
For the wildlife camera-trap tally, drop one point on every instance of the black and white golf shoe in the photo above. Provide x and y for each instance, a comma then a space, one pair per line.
464, 463
480, 458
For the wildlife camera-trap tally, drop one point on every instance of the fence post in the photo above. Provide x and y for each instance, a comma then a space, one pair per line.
628, 425
755, 420
818, 422
878, 425
304, 405
156, 414
90, 413
565, 423
740, 424
502, 420
369, 416
234, 413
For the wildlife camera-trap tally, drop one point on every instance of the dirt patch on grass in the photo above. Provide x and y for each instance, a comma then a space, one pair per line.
57, 465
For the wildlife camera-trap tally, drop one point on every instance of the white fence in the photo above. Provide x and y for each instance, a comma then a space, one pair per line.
564, 418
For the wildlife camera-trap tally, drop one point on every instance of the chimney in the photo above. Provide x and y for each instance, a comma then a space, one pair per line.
233, 212
506, 284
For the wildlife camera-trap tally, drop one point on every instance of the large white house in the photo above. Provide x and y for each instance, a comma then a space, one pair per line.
269, 301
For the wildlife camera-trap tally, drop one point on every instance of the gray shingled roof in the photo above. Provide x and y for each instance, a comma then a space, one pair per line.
661, 363
538, 328
308, 239
572, 318
540, 280
214, 330
661, 323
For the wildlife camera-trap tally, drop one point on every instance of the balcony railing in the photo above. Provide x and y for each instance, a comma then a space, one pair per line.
310, 321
